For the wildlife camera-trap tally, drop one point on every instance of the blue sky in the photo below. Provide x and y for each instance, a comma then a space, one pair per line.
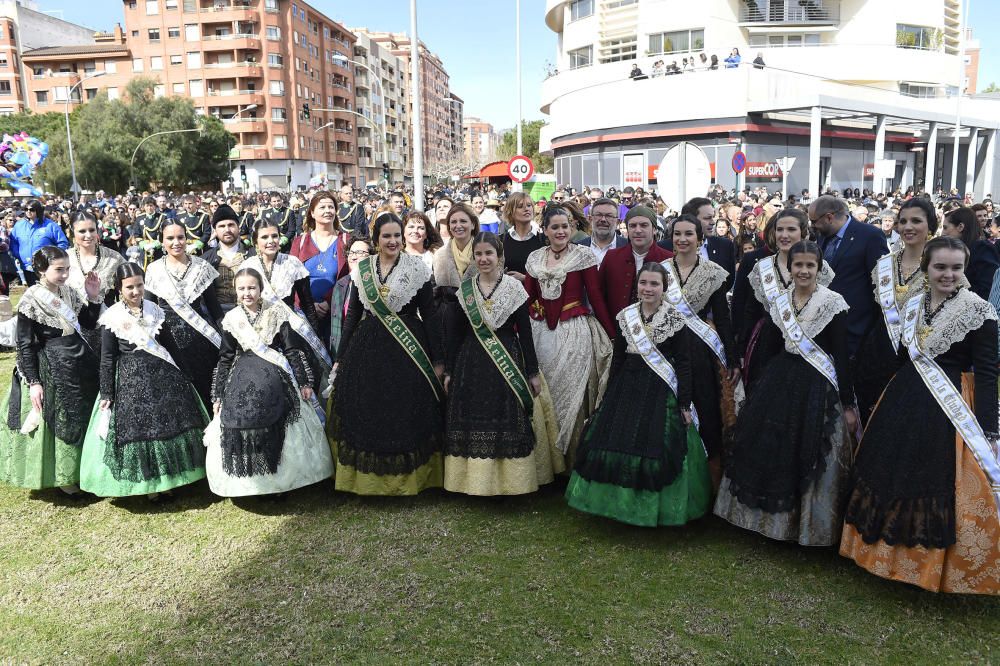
476, 42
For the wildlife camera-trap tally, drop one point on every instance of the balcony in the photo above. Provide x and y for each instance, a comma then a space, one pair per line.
237, 97
249, 41
228, 70
366, 162
235, 11
789, 12
253, 152
245, 125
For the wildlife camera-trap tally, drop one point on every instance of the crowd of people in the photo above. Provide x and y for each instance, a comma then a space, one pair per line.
821, 370
693, 63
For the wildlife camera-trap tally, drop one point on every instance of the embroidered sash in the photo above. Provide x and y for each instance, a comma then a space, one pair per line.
180, 305
302, 327
53, 304
495, 350
808, 349
396, 326
635, 334
122, 324
769, 279
950, 400
887, 299
246, 335
675, 296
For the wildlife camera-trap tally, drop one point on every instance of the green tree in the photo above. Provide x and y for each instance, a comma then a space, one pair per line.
529, 144
106, 132
992, 88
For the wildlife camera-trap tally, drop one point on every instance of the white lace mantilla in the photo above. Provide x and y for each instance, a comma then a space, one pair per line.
508, 297
32, 305
446, 270
108, 262
665, 323
550, 280
961, 315
198, 278
272, 316
119, 321
404, 282
824, 305
285, 272
824, 278
703, 281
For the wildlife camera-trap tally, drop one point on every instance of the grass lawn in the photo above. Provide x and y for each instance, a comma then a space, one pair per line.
327, 577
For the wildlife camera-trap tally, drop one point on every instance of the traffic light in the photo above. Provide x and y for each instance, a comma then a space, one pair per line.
305, 110
385, 171
243, 172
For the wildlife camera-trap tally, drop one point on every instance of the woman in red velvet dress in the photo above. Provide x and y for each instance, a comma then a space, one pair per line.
573, 349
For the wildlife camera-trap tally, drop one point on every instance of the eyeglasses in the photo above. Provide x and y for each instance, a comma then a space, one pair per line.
604, 216
358, 253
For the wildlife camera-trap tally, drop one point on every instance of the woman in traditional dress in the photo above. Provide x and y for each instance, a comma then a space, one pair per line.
390, 355
54, 383
573, 347
287, 279
145, 434
320, 248
697, 289
422, 239
785, 475
640, 460
896, 278
87, 255
492, 380
923, 504
767, 278
265, 438
181, 284
453, 263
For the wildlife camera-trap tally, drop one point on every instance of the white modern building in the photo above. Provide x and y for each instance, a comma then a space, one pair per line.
852, 89
382, 101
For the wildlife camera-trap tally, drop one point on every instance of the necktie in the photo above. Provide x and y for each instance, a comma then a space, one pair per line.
831, 248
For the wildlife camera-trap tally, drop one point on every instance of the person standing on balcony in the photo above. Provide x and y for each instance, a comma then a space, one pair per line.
350, 213
733, 60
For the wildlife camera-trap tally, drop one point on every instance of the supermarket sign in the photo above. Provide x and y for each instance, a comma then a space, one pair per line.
763, 171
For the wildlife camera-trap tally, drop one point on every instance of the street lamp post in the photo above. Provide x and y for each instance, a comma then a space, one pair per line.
249, 107
131, 162
385, 147
75, 187
418, 142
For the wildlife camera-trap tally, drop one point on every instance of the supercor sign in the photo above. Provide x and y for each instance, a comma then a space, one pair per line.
763, 170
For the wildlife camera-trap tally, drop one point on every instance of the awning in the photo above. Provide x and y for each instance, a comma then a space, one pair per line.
491, 170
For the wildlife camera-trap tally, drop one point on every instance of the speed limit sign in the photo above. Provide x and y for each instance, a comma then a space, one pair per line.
520, 168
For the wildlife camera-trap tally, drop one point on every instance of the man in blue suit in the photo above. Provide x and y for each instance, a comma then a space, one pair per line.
604, 234
852, 249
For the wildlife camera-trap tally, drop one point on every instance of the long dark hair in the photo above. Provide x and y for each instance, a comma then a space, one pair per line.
127, 270
806, 247
970, 226
929, 212
432, 239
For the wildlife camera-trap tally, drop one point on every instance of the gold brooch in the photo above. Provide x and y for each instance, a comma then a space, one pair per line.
384, 290
786, 315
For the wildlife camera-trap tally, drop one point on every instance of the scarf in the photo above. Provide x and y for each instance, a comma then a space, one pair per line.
462, 257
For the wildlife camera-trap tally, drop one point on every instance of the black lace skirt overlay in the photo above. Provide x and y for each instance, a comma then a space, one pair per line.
389, 420
258, 402
875, 364
904, 476
706, 394
195, 355
153, 400
784, 434
69, 374
484, 418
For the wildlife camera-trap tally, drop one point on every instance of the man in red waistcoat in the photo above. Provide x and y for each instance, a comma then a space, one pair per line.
621, 265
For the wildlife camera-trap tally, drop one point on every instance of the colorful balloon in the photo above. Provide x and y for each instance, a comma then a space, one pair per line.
20, 155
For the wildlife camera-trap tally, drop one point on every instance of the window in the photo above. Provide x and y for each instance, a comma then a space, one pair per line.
681, 41
917, 37
170, 4
194, 59
913, 90
581, 57
197, 88
110, 66
178, 88
136, 64
42, 96
3, 60
273, 32
135, 33
278, 114
191, 33
177, 59
159, 91
271, 5
779, 41
152, 7
579, 9
276, 88
37, 72
60, 92
91, 93
280, 142
174, 32
154, 34
112, 94
156, 63
275, 60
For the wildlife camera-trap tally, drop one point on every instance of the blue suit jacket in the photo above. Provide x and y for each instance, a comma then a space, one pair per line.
620, 241
853, 263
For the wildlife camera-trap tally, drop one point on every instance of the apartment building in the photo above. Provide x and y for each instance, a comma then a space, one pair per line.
381, 91
441, 110
480, 140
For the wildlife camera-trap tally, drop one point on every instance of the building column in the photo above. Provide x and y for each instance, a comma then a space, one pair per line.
815, 144
878, 181
991, 152
970, 161
932, 135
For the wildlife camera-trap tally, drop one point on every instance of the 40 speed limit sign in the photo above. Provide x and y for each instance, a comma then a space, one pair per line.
520, 169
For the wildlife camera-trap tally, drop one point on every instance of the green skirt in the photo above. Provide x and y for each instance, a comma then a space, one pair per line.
37, 460
183, 455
